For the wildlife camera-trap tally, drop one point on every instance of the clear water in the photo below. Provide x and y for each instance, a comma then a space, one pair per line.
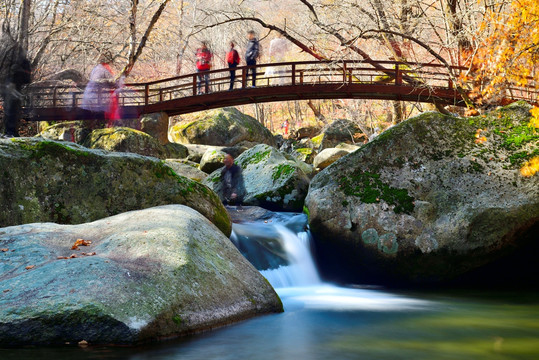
322, 321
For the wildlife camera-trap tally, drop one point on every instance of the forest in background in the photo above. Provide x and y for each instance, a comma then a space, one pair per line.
497, 40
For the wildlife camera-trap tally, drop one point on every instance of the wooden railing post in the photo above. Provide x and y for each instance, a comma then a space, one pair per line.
301, 74
344, 71
146, 94
244, 77
398, 75
293, 74
73, 100
54, 98
160, 94
194, 85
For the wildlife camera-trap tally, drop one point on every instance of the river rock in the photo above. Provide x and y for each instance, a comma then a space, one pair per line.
221, 127
74, 131
147, 275
212, 160
328, 157
339, 131
66, 183
156, 125
186, 168
124, 139
306, 132
271, 180
430, 199
306, 155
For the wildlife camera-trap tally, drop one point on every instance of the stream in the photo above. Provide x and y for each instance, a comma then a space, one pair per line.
325, 321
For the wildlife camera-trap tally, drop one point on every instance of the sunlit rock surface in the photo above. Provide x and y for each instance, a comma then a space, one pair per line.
221, 127
271, 180
146, 275
66, 183
431, 198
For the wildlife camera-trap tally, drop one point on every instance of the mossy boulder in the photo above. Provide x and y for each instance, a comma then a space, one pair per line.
306, 132
328, 157
221, 127
147, 275
186, 168
66, 183
430, 199
212, 160
306, 155
74, 131
124, 139
339, 131
271, 180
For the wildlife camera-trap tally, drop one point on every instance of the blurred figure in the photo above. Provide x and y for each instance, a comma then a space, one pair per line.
203, 63
99, 92
18, 76
252, 53
232, 181
233, 59
277, 52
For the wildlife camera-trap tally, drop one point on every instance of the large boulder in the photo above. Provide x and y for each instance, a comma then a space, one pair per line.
186, 168
66, 183
74, 131
221, 127
430, 199
339, 131
124, 139
156, 125
328, 157
212, 160
147, 275
271, 180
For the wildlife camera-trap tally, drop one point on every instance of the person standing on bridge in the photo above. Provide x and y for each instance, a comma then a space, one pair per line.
203, 63
233, 59
252, 53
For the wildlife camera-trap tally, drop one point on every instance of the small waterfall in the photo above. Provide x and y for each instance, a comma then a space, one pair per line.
301, 270
280, 247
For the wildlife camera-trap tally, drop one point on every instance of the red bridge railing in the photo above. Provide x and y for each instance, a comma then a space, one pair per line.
276, 78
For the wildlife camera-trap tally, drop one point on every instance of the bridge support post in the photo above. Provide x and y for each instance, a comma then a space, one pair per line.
293, 74
244, 78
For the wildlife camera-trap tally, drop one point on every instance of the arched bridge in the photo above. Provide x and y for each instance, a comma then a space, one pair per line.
383, 80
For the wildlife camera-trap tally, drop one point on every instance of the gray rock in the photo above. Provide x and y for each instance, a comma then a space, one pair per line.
186, 168
328, 157
156, 273
339, 131
425, 202
66, 183
156, 125
212, 160
124, 139
221, 127
271, 180
74, 131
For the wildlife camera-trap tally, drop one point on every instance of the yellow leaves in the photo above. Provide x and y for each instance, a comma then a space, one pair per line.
530, 168
534, 122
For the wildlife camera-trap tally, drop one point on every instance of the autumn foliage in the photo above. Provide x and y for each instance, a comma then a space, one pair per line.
509, 59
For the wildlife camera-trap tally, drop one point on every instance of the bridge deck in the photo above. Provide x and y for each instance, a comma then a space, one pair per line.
384, 80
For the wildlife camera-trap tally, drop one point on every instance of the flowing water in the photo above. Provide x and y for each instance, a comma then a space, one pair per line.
324, 321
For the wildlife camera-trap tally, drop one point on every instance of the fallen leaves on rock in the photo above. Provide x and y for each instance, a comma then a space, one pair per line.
4, 250
7, 290
80, 242
30, 267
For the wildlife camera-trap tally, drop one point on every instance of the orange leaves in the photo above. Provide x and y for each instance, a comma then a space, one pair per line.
479, 139
80, 242
30, 267
530, 168
4, 250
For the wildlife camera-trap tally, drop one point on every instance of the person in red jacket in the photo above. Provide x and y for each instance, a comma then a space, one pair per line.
203, 57
233, 59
